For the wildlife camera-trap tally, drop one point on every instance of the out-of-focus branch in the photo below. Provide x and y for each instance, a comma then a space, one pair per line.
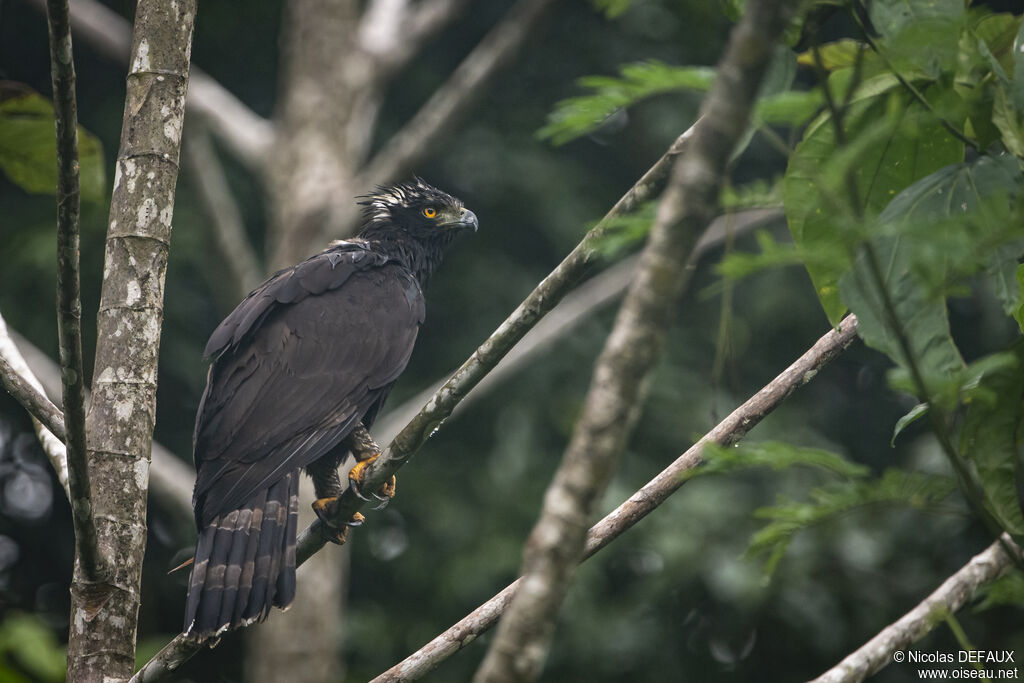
17, 378
874, 655
409, 145
619, 384
209, 181
394, 33
543, 298
170, 478
247, 134
643, 502
69, 301
580, 304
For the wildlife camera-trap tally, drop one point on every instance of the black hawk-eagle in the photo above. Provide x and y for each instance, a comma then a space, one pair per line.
309, 356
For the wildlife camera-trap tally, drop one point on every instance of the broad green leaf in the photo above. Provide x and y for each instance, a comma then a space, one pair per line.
916, 489
915, 414
893, 141
991, 439
889, 17
31, 643
775, 455
833, 56
1017, 91
929, 237
1018, 314
1002, 274
792, 108
28, 147
1006, 590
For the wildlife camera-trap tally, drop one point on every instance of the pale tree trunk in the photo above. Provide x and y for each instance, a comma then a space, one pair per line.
119, 424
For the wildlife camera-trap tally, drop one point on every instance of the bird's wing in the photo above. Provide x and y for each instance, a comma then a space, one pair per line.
292, 380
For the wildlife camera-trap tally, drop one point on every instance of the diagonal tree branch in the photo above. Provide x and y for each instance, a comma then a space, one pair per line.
580, 304
543, 298
225, 218
24, 391
877, 653
69, 301
394, 33
16, 372
410, 144
247, 134
643, 502
170, 478
612, 406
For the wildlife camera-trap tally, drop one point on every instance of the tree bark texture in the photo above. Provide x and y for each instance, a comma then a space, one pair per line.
612, 406
119, 423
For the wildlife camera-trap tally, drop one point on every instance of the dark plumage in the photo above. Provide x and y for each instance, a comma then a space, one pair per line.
301, 362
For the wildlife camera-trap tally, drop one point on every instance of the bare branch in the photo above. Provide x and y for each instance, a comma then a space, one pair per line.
874, 655
394, 33
543, 298
119, 424
247, 134
640, 504
170, 478
17, 378
579, 305
69, 301
409, 145
612, 406
225, 218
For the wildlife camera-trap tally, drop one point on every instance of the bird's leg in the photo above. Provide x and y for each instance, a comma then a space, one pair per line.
327, 485
366, 450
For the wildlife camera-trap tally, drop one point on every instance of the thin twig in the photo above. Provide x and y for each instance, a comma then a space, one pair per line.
69, 302
579, 305
18, 384
954, 592
643, 502
210, 183
543, 298
619, 383
414, 140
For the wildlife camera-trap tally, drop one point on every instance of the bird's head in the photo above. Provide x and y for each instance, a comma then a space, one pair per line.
418, 209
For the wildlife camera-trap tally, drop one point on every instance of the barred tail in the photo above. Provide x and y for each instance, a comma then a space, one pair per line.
245, 562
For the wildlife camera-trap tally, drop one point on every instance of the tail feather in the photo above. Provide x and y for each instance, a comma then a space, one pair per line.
245, 562
249, 560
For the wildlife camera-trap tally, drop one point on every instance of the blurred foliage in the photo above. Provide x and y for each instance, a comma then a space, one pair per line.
28, 145
29, 650
677, 598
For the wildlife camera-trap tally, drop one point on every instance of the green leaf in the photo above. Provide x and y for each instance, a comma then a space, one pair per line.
889, 17
930, 236
841, 53
624, 232
894, 141
1006, 590
793, 108
612, 9
28, 146
991, 439
1018, 314
916, 489
580, 115
758, 194
916, 413
28, 640
775, 455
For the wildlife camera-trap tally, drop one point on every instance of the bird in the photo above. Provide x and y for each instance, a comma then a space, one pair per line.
303, 363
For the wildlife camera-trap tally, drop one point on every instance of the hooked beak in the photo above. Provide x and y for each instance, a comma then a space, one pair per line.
467, 220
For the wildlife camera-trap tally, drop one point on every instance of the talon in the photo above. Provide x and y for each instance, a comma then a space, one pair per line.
355, 478
325, 509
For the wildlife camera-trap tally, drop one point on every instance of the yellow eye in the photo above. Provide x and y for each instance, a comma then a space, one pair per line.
430, 212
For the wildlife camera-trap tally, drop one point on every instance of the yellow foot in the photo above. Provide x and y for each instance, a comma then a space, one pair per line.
325, 510
355, 478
